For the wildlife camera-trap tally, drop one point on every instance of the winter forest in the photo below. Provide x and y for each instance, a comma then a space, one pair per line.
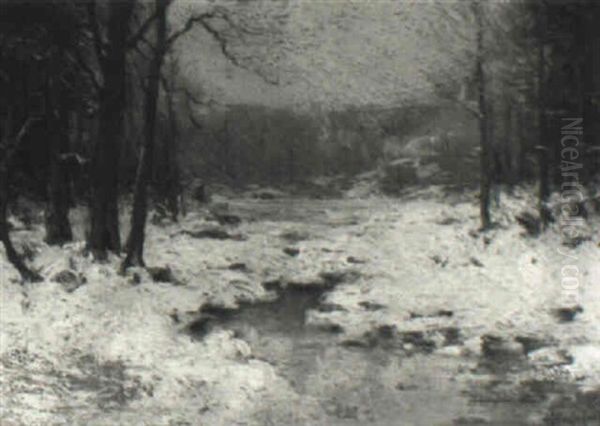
299, 212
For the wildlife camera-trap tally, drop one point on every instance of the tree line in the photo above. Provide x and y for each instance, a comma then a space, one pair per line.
66, 62
109, 70
530, 64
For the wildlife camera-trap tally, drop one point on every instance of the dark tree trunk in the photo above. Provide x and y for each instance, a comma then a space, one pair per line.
544, 179
58, 229
486, 169
172, 187
135, 241
508, 144
8, 146
104, 213
521, 138
227, 154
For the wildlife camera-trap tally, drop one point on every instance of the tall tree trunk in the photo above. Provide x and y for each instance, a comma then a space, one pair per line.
172, 187
508, 144
521, 135
544, 180
173, 175
227, 151
58, 228
104, 213
135, 242
486, 169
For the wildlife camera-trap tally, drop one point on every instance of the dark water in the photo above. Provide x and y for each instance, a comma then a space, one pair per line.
385, 385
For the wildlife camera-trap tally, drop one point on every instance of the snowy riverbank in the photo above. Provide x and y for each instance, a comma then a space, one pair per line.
412, 277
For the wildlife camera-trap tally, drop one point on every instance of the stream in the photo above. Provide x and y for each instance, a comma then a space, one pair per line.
385, 385
391, 377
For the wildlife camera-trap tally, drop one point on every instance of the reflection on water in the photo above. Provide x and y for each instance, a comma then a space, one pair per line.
383, 385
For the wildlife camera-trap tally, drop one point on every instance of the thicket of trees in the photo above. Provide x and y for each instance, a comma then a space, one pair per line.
243, 144
39, 82
529, 65
66, 64
72, 68
93, 105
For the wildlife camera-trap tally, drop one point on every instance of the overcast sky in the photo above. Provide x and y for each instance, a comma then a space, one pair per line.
334, 52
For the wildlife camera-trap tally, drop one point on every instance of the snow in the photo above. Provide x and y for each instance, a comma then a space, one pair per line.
422, 255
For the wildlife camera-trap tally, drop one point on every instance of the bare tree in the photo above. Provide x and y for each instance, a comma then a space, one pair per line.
135, 241
172, 186
111, 56
466, 65
480, 78
163, 42
542, 147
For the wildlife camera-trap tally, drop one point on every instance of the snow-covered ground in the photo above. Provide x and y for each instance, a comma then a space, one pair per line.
413, 276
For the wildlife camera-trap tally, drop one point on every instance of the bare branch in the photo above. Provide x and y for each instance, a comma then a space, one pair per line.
10, 146
189, 24
141, 31
149, 45
24, 130
204, 20
143, 54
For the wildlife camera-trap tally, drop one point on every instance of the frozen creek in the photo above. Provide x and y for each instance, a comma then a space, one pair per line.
323, 312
